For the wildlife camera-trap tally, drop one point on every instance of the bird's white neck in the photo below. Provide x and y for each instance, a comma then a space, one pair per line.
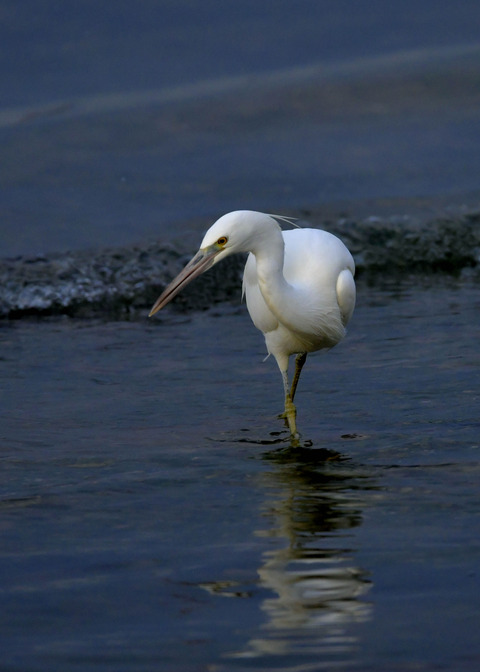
279, 295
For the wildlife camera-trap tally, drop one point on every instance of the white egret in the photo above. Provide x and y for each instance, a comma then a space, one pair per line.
298, 285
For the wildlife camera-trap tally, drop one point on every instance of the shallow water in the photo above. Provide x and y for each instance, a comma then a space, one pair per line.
154, 517
122, 123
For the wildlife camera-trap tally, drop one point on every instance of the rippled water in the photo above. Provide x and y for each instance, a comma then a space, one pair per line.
154, 517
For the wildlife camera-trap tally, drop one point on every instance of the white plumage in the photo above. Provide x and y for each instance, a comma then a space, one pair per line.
298, 286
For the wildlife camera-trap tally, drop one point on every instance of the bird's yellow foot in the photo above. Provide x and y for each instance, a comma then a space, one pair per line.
290, 416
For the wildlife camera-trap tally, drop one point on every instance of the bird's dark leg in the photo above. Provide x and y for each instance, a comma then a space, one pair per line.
290, 413
299, 362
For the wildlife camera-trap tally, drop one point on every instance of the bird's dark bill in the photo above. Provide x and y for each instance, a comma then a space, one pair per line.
200, 263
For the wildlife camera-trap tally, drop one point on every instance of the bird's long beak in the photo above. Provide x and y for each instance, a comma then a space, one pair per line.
201, 262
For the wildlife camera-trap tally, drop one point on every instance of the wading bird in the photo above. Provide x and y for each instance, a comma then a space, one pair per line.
298, 285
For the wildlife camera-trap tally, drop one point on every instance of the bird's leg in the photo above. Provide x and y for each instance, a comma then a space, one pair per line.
299, 362
290, 413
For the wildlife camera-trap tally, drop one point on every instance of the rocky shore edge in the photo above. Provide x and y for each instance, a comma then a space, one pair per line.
122, 282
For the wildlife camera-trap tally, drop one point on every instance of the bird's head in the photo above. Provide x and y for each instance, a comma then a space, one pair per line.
234, 232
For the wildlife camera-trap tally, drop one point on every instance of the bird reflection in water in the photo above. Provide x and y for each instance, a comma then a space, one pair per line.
317, 592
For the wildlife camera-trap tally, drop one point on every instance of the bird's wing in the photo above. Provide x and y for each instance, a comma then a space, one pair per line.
321, 268
346, 295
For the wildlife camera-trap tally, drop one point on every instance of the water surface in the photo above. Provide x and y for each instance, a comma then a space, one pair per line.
154, 516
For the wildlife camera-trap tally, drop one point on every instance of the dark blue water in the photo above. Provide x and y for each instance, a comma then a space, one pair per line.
57, 50
120, 123
154, 517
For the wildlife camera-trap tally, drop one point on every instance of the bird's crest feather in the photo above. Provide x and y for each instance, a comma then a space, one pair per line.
287, 220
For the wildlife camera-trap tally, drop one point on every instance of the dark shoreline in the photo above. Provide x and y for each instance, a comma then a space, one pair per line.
119, 282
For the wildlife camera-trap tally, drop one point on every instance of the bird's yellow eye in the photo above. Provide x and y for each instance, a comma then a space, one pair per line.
222, 241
